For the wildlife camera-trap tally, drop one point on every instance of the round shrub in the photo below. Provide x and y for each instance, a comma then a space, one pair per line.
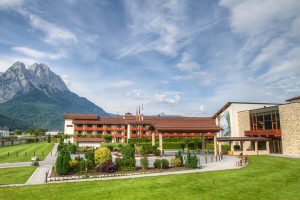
102, 155
107, 167
176, 162
161, 164
145, 162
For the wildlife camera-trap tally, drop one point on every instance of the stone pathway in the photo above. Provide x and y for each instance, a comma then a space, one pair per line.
18, 164
39, 175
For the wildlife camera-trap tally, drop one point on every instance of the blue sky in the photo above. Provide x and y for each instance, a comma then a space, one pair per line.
175, 57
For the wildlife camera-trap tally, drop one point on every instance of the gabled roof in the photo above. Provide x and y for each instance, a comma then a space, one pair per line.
80, 116
231, 102
293, 99
163, 124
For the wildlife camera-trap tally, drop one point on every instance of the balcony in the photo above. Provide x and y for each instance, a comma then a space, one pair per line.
89, 139
85, 128
263, 133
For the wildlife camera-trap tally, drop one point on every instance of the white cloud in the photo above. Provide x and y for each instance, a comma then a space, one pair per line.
38, 54
67, 80
187, 64
10, 4
55, 35
167, 98
121, 83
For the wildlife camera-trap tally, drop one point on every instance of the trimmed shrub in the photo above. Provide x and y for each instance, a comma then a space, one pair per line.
90, 155
89, 164
107, 167
49, 138
128, 152
62, 162
179, 156
102, 155
191, 161
72, 148
161, 164
145, 162
125, 164
225, 147
81, 165
176, 162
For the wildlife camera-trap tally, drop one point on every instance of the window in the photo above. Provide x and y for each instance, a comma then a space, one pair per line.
69, 125
99, 132
99, 126
79, 125
90, 125
262, 145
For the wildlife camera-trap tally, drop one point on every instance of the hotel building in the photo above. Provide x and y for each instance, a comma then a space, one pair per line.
88, 129
261, 128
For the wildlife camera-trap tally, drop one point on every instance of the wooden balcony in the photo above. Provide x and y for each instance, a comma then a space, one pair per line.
98, 129
89, 139
263, 133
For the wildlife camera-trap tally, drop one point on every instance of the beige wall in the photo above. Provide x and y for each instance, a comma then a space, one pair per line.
290, 128
243, 122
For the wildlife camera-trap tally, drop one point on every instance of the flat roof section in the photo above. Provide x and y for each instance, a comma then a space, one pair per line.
227, 139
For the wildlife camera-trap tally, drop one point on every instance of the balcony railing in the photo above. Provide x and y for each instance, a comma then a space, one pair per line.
263, 133
99, 129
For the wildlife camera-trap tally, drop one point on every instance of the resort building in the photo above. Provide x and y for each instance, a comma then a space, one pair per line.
89, 129
262, 129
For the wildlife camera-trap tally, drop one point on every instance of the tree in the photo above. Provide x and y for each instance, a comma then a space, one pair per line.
62, 164
108, 138
102, 155
49, 138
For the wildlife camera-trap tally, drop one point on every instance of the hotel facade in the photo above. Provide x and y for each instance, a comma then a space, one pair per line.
89, 129
249, 128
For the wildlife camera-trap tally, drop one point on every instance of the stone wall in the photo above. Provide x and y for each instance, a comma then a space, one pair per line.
290, 128
243, 122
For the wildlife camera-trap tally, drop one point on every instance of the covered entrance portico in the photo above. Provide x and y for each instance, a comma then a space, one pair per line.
245, 145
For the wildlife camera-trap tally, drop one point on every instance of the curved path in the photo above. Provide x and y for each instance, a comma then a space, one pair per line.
39, 175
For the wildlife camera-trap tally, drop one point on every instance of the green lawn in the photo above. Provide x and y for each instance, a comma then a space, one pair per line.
264, 178
38, 148
15, 175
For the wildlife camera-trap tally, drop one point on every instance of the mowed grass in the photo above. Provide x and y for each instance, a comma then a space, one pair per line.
15, 175
38, 148
264, 178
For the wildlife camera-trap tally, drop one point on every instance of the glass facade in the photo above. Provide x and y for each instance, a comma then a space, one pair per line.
265, 118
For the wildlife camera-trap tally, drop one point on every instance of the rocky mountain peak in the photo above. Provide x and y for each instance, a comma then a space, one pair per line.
19, 80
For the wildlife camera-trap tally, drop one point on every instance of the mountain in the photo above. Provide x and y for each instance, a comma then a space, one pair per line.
37, 97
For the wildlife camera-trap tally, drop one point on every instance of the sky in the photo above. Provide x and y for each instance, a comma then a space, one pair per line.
174, 57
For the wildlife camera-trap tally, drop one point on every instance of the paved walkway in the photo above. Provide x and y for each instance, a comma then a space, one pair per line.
18, 164
39, 175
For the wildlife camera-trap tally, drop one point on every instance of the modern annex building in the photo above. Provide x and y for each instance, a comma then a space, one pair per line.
261, 128
87, 129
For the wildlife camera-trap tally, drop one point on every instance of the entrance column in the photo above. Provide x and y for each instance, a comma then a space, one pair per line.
256, 147
128, 132
160, 144
220, 148
153, 138
215, 144
268, 147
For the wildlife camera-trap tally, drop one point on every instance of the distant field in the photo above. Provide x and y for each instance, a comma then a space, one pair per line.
264, 178
39, 149
15, 175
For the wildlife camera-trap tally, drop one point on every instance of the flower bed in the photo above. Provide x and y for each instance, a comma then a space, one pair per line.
92, 174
